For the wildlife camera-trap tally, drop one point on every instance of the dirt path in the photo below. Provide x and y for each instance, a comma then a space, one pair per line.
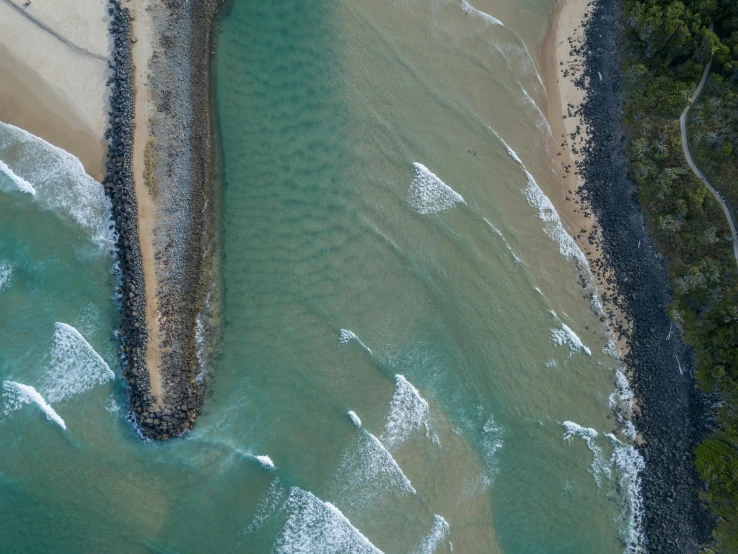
142, 50
696, 170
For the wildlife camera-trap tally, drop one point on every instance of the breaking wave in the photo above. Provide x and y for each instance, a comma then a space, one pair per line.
469, 10
75, 366
407, 414
432, 540
6, 273
588, 435
628, 464
265, 461
566, 337
347, 335
428, 194
20, 183
17, 394
314, 526
59, 180
368, 470
354, 419
552, 222
542, 123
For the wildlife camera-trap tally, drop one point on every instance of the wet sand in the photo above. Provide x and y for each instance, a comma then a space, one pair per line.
53, 58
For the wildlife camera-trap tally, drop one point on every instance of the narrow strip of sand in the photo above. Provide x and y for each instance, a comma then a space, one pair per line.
147, 206
561, 69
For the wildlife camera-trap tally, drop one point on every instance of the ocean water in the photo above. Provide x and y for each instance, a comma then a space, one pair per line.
410, 363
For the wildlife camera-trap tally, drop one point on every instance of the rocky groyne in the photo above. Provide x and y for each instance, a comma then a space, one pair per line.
672, 415
183, 162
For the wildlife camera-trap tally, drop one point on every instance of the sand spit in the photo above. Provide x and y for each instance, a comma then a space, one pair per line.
161, 175
672, 412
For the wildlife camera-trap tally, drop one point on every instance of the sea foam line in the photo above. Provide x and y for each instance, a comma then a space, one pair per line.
20, 182
428, 194
17, 394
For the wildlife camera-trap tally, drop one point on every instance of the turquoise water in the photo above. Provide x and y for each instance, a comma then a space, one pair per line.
389, 252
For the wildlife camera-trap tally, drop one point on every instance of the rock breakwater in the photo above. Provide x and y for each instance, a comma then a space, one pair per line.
184, 164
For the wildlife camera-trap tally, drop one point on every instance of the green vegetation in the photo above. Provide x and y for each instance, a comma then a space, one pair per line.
668, 44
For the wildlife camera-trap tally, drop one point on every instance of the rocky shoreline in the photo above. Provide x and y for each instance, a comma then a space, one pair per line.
673, 416
184, 163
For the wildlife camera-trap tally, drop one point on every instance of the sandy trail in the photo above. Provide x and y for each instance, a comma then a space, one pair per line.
142, 50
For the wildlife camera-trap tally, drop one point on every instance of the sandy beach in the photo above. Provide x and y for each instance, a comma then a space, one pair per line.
561, 69
53, 66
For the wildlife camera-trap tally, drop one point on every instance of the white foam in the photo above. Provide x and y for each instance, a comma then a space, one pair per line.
347, 335
6, 274
621, 400
510, 151
17, 394
552, 223
407, 414
265, 461
267, 506
611, 349
491, 443
432, 540
565, 336
542, 122
59, 180
588, 435
75, 366
629, 429
368, 475
469, 10
628, 465
20, 182
428, 194
112, 406
354, 418
317, 527
594, 303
